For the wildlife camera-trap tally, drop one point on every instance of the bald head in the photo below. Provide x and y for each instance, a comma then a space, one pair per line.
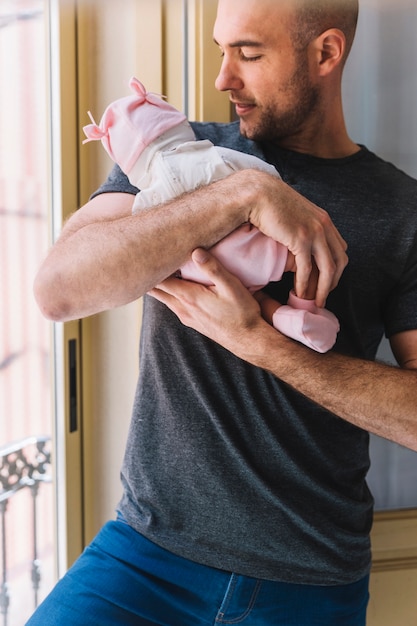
305, 19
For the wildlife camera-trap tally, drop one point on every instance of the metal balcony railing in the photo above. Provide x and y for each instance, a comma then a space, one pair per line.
24, 464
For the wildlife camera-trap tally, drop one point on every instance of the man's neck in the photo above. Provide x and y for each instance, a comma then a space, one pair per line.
324, 134
322, 149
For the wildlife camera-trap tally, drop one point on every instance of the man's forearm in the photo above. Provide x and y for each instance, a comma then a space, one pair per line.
376, 397
101, 262
379, 398
106, 257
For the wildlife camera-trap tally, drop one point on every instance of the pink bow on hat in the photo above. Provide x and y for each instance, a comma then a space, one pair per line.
95, 132
131, 123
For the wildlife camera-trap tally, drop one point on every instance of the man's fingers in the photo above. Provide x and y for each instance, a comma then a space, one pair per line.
302, 274
328, 250
163, 294
220, 309
306, 230
216, 274
178, 293
331, 267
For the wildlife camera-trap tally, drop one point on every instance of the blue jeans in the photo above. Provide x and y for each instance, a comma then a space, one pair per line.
124, 579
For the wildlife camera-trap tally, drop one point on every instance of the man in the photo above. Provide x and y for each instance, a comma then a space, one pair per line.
245, 498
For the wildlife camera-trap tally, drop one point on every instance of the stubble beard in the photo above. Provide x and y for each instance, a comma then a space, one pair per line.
274, 124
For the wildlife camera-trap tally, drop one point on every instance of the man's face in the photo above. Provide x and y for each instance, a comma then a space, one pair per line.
268, 80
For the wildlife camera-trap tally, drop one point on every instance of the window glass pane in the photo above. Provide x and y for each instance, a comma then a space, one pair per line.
25, 341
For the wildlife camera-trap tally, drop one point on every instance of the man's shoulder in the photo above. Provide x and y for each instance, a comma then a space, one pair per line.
395, 188
216, 132
226, 135
386, 170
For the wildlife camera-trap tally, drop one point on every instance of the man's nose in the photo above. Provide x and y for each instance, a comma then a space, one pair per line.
228, 77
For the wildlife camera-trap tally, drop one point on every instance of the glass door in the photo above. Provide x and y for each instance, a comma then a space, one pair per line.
27, 388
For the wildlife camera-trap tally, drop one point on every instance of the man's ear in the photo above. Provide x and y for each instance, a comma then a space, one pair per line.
329, 49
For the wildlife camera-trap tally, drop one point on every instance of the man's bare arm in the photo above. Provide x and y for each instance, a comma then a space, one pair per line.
106, 257
376, 397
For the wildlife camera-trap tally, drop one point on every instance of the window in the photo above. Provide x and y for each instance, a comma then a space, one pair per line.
26, 495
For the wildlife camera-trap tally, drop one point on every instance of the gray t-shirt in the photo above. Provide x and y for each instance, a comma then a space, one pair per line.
226, 465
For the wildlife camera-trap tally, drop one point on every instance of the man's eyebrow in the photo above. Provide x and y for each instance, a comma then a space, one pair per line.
243, 43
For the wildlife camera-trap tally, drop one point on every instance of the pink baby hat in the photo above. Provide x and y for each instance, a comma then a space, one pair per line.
130, 124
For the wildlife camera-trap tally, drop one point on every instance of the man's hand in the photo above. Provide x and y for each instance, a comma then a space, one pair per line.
224, 312
228, 314
305, 229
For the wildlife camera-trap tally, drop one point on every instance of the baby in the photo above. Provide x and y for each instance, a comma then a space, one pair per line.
155, 146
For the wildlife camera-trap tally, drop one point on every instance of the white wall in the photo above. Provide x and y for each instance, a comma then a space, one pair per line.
380, 93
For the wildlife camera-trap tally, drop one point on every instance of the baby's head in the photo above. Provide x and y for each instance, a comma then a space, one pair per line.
131, 124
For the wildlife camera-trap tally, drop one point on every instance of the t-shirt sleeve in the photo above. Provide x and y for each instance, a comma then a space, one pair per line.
117, 182
401, 309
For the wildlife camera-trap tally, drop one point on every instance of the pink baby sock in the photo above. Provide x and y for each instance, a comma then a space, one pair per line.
303, 321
